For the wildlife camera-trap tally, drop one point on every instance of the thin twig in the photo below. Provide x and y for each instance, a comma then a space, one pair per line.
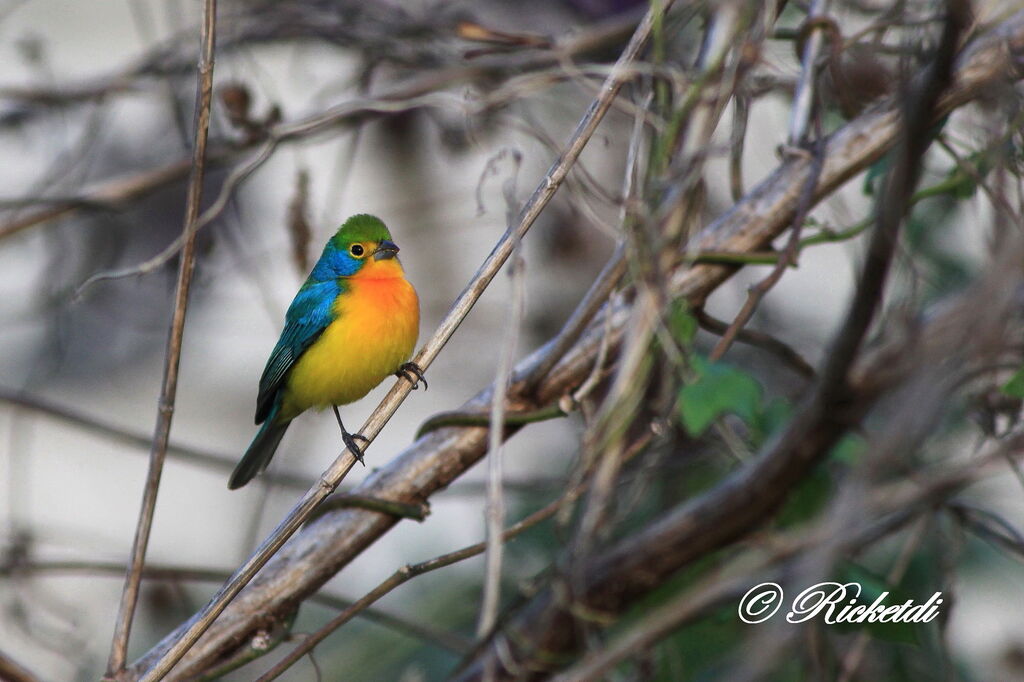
780, 349
329, 480
804, 99
803, 108
571, 331
227, 190
130, 596
446, 640
788, 257
494, 509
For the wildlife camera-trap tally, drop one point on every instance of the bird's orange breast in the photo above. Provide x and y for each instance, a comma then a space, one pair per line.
374, 333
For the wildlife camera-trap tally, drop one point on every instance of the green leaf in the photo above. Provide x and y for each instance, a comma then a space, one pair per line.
1015, 386
682, 323
808, 498
718, 389
963, 185
769, 419
849, 449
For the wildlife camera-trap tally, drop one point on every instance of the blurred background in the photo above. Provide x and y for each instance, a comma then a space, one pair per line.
96, 105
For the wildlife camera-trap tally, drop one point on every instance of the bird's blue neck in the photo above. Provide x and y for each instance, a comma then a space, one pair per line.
334, 263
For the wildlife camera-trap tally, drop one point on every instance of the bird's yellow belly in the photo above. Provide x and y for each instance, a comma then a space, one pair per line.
374, 334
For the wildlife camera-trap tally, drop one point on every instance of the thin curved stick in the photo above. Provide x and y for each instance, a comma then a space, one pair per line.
237, 176
169, 389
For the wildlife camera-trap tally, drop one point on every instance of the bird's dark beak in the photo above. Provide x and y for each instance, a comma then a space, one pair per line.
385, 250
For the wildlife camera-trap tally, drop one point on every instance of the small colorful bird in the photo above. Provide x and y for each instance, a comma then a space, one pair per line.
353, 323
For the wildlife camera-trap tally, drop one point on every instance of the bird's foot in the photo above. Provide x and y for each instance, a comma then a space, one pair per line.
413, 374
350, 443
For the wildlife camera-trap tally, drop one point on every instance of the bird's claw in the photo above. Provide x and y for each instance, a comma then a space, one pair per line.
350, 442
412, 373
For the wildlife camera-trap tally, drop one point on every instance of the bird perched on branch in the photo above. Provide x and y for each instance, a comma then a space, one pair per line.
353, 323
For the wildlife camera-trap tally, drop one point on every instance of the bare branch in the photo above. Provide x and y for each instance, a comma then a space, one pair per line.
130, 596
12, 671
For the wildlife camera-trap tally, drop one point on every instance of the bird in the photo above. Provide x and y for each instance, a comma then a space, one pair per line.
353, 323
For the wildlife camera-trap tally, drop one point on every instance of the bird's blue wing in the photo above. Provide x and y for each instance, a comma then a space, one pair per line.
306, 319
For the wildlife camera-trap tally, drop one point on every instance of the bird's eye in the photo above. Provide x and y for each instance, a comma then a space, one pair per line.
357, 250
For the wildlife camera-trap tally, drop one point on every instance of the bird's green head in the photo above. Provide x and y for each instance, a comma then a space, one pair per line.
362, 247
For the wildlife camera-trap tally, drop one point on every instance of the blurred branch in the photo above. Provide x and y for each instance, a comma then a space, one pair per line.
805, 98
786, 259
783, 351
855, 655
225, 463
603, 286
237, 176
483, 418
153, 572
109, 195
803, 112
12, 671
892, 507
494, 504
165, 655
21, 400
414, 93
989, 526
443, 639
416, 512
432, 462
826, 235
168, 391
114, 193
352, 25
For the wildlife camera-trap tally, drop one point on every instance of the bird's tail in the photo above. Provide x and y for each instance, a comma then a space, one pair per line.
258, 456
